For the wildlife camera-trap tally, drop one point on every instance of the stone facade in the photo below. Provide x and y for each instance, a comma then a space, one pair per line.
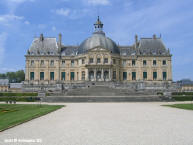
4, 85
52, 65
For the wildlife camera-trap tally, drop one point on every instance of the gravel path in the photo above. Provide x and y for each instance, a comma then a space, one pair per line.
106, 124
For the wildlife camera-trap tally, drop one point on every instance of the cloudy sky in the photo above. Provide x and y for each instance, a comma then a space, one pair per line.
22, 20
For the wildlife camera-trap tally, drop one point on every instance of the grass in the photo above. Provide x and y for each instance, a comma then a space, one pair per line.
15, 114
182, 106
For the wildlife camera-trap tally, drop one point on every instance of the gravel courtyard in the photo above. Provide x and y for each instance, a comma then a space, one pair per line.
106, 124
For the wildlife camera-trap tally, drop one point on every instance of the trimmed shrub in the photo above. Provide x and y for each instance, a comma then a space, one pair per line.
18, 94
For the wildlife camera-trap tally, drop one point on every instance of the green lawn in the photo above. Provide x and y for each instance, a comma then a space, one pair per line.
14, 114
182, 106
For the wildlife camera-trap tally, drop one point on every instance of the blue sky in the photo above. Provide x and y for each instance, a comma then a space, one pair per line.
22, 20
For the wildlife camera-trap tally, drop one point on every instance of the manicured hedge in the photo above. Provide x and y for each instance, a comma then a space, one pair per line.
183, 98
18, 94
19, 99
182, 93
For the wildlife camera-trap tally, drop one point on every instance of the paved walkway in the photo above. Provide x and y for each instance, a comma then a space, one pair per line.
107, 124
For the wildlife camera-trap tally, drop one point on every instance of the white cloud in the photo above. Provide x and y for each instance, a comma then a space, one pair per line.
9, 17
53, 28
3, 38
27, 22
64, 12
97, 2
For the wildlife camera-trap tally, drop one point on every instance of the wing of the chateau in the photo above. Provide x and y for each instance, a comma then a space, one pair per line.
52, 65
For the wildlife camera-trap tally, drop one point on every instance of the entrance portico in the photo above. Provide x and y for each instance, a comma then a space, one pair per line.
99, 74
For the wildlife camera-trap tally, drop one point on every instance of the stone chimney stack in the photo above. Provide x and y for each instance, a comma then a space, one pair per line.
41, 37
136, 41
154, 36
59, 42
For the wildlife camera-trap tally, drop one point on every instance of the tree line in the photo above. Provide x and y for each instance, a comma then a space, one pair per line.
13, 77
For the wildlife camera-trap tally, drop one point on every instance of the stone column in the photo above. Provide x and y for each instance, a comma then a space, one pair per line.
95, 74
102, 75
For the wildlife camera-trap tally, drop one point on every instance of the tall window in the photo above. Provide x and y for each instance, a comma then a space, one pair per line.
72, 76
42, 62
32, 62
105, 60
90, 60
133, 75
63, 62
133, 62
98, 60
83, 62
83, 75
144, 62
52, 63
114, 61
63, 76
164, 75
52, 76
41, 75
154, 75
154, 63
164, 62
124, 75
72, 63
114, 75
31, 75
145, 75
124, 62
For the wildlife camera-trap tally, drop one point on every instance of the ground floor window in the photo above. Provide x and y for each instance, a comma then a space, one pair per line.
31, 75
41, 75
133, 75
154, 75
114, 75
164, 75
83, 75
124, 75
52, 76
71, 76
145, 75
63, 76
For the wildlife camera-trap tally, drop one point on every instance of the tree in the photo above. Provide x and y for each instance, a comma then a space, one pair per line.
14, 77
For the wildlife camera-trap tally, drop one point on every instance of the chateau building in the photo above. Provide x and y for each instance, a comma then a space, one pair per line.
97, 59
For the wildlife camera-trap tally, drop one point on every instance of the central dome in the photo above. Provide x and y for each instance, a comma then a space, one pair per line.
98, 39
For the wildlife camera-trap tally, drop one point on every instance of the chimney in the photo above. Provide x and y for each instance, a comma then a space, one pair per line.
154, 36
59, 42
136, 41
41, 37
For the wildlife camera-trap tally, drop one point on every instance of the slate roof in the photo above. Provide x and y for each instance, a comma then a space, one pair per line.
69, 50
145, 46
45, 46
152, 46
98, 39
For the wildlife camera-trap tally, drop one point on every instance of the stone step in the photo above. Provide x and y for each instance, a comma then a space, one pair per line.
103, 99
